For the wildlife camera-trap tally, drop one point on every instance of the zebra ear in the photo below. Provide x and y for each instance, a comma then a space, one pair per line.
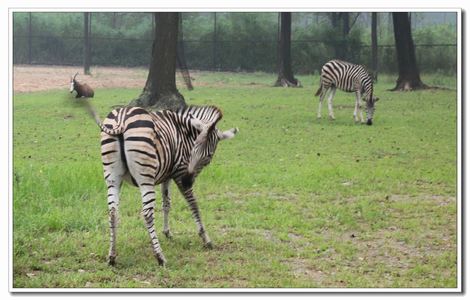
196, 123
226, 135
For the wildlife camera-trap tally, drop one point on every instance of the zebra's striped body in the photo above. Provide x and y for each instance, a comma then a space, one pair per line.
150, 148
347, 77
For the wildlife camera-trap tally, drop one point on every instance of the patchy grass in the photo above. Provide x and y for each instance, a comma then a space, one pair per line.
291, 201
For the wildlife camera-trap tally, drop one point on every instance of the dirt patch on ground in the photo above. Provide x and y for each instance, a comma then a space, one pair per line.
438, 199
27, 78
302, 268
41, 78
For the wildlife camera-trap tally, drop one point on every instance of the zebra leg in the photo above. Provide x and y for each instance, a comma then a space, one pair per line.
330, 103
114, 171
356, 106
148, 208
113, 205
166, 208
187, 192
360, 110
320, 102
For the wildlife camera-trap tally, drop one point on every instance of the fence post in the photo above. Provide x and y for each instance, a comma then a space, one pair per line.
87, 44
214, 44
30, 29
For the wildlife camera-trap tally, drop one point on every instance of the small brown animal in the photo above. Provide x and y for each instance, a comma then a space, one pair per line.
83, 90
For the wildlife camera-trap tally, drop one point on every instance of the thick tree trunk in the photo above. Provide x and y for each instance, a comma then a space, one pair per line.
160, 89
344, 46
374, 62
408, 72
335, 18
285, 76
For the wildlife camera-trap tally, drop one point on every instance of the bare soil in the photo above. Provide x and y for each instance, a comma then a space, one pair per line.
34, 78
28, 78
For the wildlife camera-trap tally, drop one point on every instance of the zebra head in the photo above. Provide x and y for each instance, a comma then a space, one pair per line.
206, 143
370, 109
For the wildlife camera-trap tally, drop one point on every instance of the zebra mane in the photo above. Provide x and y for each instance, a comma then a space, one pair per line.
207, 114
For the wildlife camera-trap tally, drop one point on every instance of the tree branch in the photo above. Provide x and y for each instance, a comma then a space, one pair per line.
354, 21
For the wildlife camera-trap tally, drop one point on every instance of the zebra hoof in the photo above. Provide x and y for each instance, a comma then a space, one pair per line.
208, 245
112, 261
161, 260
168, 234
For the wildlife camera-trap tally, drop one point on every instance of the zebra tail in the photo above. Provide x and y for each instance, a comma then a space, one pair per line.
111, 131
319, 91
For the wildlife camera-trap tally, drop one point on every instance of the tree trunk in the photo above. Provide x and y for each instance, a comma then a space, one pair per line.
341, 26
181, 57
285, 75
160, 89
344, 46
87, 44
374, 63
408, 72
335, 18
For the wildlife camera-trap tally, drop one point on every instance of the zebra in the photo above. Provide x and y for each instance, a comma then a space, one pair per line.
349, 78
150, 148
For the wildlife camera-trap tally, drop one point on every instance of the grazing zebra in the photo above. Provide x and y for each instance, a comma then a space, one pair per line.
349, 78
150, 148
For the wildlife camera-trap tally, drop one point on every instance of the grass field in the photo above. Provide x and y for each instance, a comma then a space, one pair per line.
291, 201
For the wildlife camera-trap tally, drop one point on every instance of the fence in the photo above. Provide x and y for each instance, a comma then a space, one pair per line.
221, 48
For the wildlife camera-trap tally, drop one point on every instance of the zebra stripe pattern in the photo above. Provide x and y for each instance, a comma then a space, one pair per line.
347, 77
151, 148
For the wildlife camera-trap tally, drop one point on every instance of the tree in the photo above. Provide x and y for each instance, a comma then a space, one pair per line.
160, 88
87, 43
408, 72
285, 76
374, 63
340, 21
181, 58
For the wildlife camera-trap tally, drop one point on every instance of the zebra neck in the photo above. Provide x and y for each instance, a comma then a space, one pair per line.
184, 138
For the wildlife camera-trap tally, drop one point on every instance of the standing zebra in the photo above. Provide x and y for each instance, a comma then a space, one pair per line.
150, 148
349, 78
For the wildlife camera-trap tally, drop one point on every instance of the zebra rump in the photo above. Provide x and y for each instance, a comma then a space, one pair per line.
151, 148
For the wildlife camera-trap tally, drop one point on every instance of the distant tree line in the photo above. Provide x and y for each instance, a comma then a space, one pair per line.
227, 41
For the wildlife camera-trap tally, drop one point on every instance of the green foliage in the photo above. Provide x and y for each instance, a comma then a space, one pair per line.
433, 48
245, 41
291, 201
441, 59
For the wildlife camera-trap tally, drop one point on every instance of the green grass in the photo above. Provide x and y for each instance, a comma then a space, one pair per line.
291, 201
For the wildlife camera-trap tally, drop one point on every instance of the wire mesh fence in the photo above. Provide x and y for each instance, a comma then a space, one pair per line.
214, 41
